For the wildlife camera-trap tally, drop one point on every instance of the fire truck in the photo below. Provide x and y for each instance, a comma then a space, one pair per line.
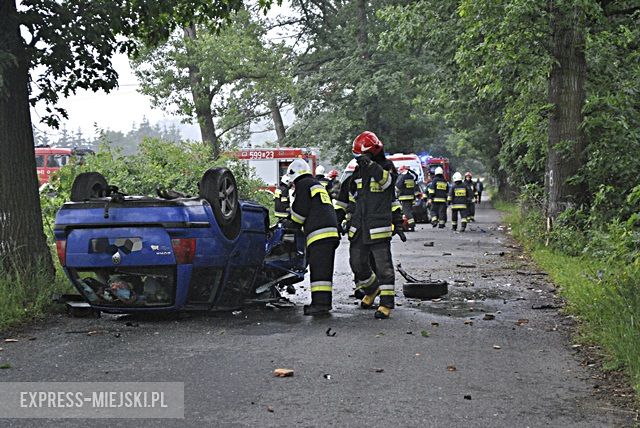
429, 165
271, 163
50, 159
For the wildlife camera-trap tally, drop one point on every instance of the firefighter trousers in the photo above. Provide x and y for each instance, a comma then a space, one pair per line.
455, 213
471, 210
407, 210
372, 267
439, 213
321, 256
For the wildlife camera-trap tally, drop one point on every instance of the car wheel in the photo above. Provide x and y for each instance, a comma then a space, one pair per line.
425, 290
88, 185
218, 187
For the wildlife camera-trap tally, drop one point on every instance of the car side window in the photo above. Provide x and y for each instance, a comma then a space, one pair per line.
39, 161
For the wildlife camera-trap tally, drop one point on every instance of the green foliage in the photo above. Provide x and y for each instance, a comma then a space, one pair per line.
240, 71
158, 165
27, 295
597, 271
72, 42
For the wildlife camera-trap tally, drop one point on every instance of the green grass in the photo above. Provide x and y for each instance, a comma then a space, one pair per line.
27, 296
604, 297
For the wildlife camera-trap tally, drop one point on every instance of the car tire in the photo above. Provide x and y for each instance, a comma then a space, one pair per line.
218, 187
88, 185
425, 290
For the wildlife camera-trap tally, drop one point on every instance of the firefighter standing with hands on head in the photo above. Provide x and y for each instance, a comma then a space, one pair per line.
438, 192
471, 202
313, 211
281, 198
368, 199
458, 197
407, 190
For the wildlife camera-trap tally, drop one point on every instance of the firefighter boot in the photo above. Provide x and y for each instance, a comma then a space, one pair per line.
365, 287
454, 227
369, 299
382, 313
320, 303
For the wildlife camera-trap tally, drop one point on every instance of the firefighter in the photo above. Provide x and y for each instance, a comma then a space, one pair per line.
281, 198
367, 199
312, 210
471, 203
438, 192
332, 175
407, 189
479, 189
323, 179
458, 197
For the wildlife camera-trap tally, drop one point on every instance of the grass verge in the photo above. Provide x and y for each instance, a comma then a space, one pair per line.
604, 296
27, 296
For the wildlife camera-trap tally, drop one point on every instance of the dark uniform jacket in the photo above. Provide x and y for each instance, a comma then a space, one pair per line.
312, 208
479, 186
368, 197
458, 196
407, 187
438, 189
472, 188
323, 179
281, 201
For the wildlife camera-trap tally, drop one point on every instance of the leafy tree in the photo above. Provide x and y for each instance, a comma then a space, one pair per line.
224, 80
71, 42
346, 83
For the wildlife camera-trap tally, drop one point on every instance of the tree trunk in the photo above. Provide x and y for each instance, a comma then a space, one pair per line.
277, 120
566, 141
23, 245
371, 111
201, 98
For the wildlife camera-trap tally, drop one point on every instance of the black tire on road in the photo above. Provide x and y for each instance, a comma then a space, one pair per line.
88, 185
425, 290
218, 187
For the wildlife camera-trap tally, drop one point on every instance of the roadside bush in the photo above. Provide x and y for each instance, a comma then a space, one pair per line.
158, 164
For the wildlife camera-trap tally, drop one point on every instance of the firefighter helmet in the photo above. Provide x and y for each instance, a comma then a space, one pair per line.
468, 174
439, 171
298, 168
319, 170
457, 177
333, 174
285, 179
367, 142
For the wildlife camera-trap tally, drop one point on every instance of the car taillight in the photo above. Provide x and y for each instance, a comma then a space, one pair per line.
61, 248
184, 249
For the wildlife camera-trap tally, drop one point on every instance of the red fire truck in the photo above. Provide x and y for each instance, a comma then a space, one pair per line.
429, 165
50, 159
271, 163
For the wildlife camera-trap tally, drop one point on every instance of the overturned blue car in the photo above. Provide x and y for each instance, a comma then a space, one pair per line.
128, 254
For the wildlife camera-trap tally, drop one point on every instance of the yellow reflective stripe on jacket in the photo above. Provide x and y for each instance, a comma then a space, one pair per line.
352, 231
439, 200
460, 192
277, 193
441, 185
381, 232
395, 205
409, 184
459, 207
321, 286
406, 197
324, 233
431, 191
282, 214
386, 180
358, 183
352, 197
339, 205
297, 217
317, 188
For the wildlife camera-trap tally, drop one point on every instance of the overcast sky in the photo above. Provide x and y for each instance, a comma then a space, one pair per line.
123, 107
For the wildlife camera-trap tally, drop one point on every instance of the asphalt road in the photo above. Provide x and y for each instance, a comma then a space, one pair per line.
371, 373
